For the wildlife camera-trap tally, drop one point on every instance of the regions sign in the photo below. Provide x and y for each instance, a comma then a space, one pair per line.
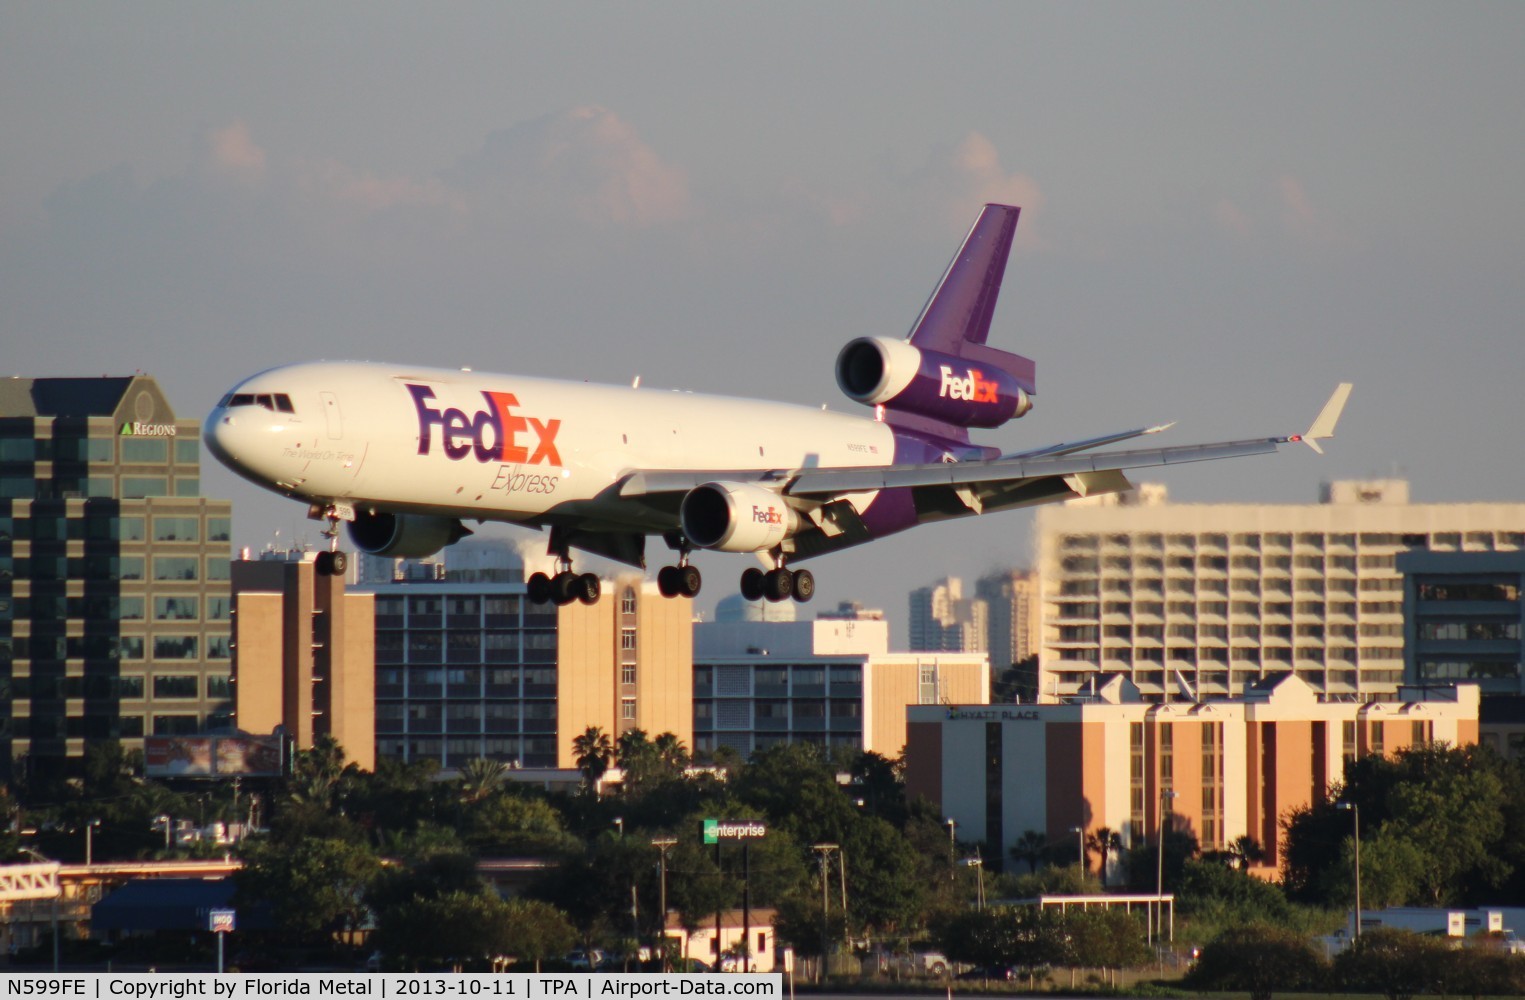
211, 756
716, 830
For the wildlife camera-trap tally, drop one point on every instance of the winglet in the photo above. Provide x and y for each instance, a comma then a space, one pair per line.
1323, 424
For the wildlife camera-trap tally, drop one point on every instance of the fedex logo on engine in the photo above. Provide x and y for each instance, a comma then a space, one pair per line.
766, 515
974, 386
491, 434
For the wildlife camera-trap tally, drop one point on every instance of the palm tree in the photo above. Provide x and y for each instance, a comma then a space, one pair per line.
594, 752
1104, 841
1246, 851
1030, 847
480, 778
671, 752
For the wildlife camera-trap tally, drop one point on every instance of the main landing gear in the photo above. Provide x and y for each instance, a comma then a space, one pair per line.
681, 580
566, 586
778, 584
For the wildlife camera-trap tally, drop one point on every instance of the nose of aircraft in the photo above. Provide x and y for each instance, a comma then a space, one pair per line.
230, 435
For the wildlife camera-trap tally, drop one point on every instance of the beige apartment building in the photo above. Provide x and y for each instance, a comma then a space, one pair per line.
1201, 600
1218, 769
303, 655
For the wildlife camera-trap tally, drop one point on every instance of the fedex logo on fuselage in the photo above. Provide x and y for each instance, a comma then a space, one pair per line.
766, 515
492, 434
974, 387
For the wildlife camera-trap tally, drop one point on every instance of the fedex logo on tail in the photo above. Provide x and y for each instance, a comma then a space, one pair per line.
974, 387
492, 434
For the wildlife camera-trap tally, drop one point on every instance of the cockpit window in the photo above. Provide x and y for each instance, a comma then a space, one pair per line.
277, 402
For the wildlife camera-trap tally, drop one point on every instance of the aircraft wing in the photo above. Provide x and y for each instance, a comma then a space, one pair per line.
1095, 472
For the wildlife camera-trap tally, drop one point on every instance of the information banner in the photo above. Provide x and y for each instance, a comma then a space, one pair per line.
166, 985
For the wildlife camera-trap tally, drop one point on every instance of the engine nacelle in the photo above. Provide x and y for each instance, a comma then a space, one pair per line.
404, 536
900, 376
736, 517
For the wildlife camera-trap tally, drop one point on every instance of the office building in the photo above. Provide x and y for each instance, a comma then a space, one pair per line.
303, 655
468, 667
831, 681
1203, 599
1217, 769
114, 572
943, 620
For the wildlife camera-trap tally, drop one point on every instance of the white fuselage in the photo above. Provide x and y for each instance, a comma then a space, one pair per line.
504, 447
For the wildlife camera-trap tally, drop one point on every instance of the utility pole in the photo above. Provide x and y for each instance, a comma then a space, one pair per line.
823, 853
663, 845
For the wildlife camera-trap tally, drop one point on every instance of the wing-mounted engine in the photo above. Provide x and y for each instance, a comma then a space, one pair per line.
404, 536
736, 517
964, 392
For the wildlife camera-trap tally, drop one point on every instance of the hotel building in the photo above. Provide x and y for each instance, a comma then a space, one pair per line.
1217, 769
1204, 599
114, 572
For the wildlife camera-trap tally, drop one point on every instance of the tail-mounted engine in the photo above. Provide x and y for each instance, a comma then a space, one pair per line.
901, 376
736, 517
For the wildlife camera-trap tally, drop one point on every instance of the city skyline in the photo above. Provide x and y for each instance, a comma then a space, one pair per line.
1218, 224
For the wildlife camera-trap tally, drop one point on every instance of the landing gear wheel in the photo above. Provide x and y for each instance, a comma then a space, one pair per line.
667, 581
562, 586
539, 586
804, 585
689, 581
324, 564
338, 562
752, 583
587, 588
778, 584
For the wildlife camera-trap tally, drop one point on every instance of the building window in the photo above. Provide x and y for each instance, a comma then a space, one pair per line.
176, 608
176, 725
627, 673
175, 647
174, 568
627, 639
627, 601
177, 529
627, 709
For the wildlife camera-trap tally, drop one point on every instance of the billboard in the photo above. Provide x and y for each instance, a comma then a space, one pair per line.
211, 756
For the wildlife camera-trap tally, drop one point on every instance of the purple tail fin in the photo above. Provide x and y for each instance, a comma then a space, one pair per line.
956, 318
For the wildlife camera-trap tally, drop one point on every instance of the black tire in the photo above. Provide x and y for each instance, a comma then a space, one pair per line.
588, 588
689, 581
778, 585
324, 564
562, 585
804, 585
667, 581
539, 587
338, 563
752, 583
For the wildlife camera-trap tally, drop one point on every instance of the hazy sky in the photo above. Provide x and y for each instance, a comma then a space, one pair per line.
1227, 209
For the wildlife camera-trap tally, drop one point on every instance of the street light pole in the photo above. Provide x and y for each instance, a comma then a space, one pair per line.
1166, 795
663, 845
1355, 811
952, 846
89, 840
1080, 846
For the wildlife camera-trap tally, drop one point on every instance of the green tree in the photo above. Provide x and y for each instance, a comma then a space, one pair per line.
480, 778
1396, 963
315, 892
1104, 938
1031, 847
457, 927
534, 931
1258, 959
510, 824
1105, 842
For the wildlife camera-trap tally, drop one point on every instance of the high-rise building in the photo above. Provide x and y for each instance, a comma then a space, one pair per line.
832, 682
1012, 609
114, 572
1464, 618
1200, 600
942, 619
303, 655
468, 667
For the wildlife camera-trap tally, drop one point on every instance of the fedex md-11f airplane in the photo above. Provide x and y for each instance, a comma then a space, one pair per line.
405, 455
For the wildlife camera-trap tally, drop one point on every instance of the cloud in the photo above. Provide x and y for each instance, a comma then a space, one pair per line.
232, 152
586, 163
1231, 219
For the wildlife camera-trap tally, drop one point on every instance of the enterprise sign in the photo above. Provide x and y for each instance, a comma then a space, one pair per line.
995, 714
716, 830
